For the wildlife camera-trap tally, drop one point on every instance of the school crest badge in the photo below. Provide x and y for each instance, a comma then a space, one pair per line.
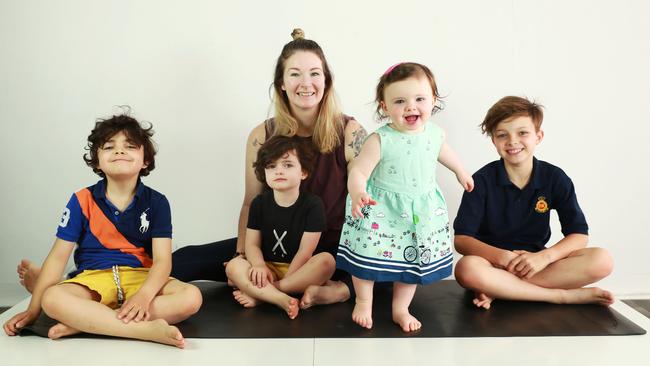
541, 206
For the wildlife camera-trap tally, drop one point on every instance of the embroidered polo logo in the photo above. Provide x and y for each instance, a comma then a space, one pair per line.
279, 242
541, 206
144, 223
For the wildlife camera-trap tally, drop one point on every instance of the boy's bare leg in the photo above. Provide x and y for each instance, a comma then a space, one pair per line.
316, 271
329, 293
176, 302
402, 296
478, 274
362, 313
71, 304
237, 271
28, 273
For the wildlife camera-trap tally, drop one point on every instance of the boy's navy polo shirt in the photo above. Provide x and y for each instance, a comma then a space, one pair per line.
108, 237
498, 213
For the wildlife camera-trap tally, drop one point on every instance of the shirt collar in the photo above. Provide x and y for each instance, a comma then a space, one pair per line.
99, 190
535, 176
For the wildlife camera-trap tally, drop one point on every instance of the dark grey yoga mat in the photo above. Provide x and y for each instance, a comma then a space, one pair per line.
642, 306
444, 308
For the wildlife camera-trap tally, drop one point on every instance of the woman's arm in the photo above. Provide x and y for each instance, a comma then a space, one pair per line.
354, 136
253, 187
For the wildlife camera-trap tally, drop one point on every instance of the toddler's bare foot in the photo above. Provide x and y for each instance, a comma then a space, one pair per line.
28, 273
362, 313
330, 293
405, 320
482, 300
61, 330
159, 331
245, 300
587, 295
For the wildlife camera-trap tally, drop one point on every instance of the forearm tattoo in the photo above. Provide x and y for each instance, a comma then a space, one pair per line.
256, 143
358, 137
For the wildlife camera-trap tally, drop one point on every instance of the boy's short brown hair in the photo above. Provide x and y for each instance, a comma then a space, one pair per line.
132, 129
277, 146
511, 107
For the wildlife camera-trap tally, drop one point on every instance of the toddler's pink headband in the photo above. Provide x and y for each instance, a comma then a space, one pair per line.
392, 68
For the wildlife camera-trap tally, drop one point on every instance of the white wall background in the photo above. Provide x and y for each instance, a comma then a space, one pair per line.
201, 70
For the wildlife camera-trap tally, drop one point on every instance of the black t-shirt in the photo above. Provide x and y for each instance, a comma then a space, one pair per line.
282, 227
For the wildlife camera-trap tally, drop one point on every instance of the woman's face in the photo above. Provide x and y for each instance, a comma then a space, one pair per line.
304, 80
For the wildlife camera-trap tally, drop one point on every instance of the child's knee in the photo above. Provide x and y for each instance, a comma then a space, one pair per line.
465, 272
51, 300
193, 299
326, 262
602, 263
233, 266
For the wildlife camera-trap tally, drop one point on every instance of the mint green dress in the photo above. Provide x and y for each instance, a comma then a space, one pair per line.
405, 236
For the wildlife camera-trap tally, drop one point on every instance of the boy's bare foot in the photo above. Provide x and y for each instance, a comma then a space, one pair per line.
61, 330
587, 295
159, 331
362, 313
291, 307
330, 293
244, 300
405, 320
482, 300
28, 273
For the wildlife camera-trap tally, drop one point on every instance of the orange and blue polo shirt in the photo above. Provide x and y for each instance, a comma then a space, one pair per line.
105, 236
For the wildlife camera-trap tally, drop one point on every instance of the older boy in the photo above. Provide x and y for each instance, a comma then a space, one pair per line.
123, 232
502, 226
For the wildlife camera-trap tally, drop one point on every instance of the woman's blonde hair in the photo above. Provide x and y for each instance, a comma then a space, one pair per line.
329, 124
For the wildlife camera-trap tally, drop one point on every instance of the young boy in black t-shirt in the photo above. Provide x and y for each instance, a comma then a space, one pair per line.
284, 226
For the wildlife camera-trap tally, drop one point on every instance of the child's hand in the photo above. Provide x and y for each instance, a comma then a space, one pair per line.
135, 308
528, 264
359, 201
261, 275
466, 181
506, 257
19, 320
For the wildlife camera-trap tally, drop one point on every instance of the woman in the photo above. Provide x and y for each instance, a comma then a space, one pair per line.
305, 105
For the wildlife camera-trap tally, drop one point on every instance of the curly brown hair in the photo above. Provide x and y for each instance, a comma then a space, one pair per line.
509, 107
277, 146
136, 132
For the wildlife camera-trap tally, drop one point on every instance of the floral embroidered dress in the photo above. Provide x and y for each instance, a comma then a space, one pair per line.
405, 236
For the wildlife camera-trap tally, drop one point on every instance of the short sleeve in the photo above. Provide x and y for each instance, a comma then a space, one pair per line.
161, 221
572, 219
71, 222
472, 209
315, 215
255, 214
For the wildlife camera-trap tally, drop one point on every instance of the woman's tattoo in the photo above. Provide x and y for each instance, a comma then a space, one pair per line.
358, 137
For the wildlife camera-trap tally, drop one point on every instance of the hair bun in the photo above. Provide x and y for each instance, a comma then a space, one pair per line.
297, 34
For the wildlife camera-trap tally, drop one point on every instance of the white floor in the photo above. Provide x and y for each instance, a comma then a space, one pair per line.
528, 351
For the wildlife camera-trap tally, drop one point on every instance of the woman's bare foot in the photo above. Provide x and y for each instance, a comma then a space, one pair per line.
482, 300
28, 273
244, 300
330, 293
587, 295
61, 330
362, 313
405, 320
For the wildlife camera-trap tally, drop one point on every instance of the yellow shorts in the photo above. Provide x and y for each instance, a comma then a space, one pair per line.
102, 282
279, 269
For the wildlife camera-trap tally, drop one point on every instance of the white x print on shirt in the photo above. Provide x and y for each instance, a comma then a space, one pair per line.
279, 242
